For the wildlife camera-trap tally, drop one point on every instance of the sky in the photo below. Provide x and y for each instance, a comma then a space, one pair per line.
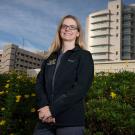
32, 24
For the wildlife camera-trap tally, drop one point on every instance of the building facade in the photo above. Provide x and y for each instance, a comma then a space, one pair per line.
111, 32
0, 57
15, 58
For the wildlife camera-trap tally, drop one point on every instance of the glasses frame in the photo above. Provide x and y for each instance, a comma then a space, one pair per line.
71, 27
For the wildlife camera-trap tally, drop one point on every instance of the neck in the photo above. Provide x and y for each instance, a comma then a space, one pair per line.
67, 46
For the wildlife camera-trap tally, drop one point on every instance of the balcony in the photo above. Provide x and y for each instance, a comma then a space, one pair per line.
100, 57
98, 33
99, 49
101, 36
100, 26
100, 19
99, 41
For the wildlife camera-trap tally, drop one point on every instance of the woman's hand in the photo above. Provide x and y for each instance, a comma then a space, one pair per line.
45, 115
49, 120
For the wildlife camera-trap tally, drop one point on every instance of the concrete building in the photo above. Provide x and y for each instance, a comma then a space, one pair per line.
0, 57
15, 58
111, 32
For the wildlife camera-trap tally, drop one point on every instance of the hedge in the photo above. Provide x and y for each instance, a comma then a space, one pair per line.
110, 104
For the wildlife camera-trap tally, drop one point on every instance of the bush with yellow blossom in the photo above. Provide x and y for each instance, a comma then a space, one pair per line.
17, 106
110, 104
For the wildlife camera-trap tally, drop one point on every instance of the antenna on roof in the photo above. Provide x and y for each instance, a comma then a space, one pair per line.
23, 42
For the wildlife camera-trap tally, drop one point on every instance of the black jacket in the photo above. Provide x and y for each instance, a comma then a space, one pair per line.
72, 81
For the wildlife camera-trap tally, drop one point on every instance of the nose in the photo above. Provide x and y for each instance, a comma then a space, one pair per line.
67, 28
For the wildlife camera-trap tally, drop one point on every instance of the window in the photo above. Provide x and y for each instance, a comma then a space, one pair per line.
117, 6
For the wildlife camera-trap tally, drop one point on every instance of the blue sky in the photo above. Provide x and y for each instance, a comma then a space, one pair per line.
34, 22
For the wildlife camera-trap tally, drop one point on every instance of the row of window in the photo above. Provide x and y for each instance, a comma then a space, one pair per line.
103, 28
103, 36
103, 22
100, 53
103, 15
101, 45
29, 62
28, 56
22, 66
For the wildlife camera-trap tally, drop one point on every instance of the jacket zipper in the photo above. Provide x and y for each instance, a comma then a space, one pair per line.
54, 75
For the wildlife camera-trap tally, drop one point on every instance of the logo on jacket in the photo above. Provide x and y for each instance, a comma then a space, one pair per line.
70, 60
51, 62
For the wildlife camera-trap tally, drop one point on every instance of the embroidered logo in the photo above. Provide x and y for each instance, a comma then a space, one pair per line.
51, 62
70, 60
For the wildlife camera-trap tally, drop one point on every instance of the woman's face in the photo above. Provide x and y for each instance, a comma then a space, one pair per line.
69, 30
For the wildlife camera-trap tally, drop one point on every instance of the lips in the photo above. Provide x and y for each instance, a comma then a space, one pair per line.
67, 34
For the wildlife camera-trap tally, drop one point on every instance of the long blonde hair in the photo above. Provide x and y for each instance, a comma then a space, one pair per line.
57, 42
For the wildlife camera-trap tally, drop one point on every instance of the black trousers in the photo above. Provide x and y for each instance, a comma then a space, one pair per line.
46, 129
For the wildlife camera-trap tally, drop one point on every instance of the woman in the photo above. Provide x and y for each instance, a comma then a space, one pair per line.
65, 77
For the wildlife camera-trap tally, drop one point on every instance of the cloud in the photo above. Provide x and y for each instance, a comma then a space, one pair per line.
35, 21
20, 22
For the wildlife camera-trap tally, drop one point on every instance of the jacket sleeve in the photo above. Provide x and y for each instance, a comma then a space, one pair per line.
85, 74
40, 88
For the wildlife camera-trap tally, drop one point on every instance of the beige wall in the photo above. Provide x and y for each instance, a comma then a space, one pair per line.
128, 65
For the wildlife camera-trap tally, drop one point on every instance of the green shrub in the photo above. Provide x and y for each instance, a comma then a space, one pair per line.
110, 104
18, 104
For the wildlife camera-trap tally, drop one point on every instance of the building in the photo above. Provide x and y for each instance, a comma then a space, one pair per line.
111, 32
15, 58
0, 57
33, 72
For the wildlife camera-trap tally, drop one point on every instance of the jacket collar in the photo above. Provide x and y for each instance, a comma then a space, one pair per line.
76, 48
56, 53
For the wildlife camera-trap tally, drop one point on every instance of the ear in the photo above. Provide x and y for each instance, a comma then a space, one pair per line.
78, 34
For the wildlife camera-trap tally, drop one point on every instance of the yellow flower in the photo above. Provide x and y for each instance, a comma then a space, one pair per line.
33, 94
18, 98
19, 77
1, 92
26, 96
6, 91
7, 86
2, 122
33, 110
11, 133
8, 80
2, 109
113, 95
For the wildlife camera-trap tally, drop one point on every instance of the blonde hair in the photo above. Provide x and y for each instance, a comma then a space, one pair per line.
57, 42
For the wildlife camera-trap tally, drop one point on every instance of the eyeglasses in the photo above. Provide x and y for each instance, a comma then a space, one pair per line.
71, 27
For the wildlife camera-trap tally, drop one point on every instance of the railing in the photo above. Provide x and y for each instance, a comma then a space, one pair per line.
115, 70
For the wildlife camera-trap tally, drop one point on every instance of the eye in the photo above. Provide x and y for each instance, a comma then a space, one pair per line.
64, 26
73, 27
